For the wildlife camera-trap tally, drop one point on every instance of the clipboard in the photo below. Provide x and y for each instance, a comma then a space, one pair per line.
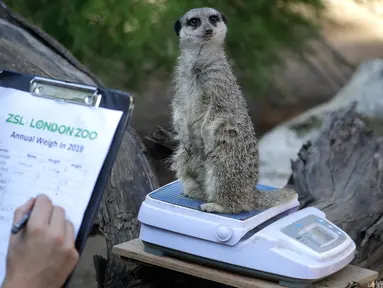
86, 95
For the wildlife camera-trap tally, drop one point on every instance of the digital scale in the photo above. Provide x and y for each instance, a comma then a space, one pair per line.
283, 244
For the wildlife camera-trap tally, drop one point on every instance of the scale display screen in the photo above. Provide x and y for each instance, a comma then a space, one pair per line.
318, 235
315, 233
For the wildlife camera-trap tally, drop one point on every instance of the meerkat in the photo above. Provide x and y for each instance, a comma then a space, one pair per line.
217, 156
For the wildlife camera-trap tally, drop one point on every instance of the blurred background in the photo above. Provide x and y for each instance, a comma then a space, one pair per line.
289, 56
126, 42
131, 44
279, 48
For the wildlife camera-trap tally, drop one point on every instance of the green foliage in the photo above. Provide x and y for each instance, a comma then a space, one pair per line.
124, 41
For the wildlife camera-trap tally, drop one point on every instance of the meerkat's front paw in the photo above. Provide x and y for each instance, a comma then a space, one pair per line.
187, 194
213, 208
194, 194
193, 190
184, 194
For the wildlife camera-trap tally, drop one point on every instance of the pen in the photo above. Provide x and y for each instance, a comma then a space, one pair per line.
21, 223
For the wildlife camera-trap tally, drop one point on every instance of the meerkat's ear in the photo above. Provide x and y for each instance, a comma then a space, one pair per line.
224, 19
177, 27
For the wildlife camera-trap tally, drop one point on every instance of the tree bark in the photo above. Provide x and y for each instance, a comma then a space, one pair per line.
341, 173
130, 181
27, 49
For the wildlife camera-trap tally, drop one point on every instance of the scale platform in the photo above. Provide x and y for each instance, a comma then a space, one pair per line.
283, 244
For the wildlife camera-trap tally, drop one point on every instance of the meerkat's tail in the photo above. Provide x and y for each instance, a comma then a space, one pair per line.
268, 199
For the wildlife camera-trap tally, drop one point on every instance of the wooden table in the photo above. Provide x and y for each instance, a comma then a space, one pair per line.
134, 249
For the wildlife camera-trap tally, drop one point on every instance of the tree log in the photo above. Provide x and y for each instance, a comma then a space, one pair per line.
341, 173
27, 49
130, 181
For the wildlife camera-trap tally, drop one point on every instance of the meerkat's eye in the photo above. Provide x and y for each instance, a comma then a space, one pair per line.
193, 21
213, 19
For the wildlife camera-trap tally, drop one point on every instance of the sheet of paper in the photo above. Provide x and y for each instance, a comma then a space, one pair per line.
49, 147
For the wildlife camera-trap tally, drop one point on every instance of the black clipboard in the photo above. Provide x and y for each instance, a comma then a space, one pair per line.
82, 95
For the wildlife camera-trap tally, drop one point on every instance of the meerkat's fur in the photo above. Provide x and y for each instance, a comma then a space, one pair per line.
217, 156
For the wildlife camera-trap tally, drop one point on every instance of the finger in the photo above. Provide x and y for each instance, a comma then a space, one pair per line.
41, 213
70, 249
69, 234
57, 222
23, 209
70, 238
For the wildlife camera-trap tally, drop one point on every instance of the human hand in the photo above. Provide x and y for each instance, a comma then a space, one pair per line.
42, 255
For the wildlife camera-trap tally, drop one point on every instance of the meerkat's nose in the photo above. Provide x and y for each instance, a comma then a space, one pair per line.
208, 31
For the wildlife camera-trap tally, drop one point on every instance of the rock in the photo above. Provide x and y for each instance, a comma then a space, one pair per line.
281, 145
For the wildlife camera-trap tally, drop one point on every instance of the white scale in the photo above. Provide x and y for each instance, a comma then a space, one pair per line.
283, 244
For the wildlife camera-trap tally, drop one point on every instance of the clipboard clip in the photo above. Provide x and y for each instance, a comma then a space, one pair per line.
65, 91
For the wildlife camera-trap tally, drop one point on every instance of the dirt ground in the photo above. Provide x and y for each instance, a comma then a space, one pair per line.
84, 275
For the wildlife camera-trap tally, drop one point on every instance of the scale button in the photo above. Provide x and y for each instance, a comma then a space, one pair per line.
224, 233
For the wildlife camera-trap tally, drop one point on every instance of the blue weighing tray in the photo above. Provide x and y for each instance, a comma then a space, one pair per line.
171, 193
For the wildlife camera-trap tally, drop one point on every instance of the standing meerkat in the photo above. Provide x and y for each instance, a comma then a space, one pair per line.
217, 156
